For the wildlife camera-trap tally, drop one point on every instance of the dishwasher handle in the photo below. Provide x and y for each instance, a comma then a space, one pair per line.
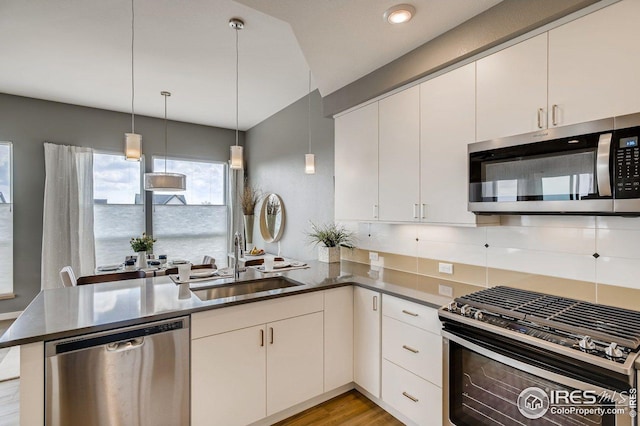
116, 340
124, 345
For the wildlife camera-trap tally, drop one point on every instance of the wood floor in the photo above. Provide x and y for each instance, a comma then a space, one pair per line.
350, 408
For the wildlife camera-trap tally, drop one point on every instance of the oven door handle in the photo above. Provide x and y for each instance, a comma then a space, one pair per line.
545, 374
602, 165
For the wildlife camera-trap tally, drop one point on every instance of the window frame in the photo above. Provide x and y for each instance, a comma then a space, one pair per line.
11, 294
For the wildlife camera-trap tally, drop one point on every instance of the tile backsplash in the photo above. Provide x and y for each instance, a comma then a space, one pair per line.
586, 257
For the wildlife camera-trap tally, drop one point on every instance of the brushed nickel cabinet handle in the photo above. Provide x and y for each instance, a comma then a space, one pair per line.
540, 111
262, 337
554, 115
375, 211
423, 211
271, 331
413, 398
375, 303
410, 349
413, 314
415, 211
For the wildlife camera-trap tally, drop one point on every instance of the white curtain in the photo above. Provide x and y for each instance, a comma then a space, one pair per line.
67, 231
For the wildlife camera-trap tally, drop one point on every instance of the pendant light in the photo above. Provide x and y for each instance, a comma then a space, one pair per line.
236, 150
132, 141
309, 159
163, 181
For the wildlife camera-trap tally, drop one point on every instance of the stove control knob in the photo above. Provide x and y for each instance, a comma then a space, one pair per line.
613, 351
586, 343
478, 315
453, 306
465, 310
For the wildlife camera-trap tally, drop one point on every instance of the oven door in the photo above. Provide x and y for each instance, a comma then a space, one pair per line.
489, 385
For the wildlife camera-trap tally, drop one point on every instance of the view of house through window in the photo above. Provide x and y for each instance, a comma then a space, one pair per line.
6, 219
193, 223
118, 206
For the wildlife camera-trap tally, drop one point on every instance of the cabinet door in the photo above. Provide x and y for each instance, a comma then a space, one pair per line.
294, 361
228, 378
399, 161
447, 117
338, 337
356, 164
512, 88
366, 339
593, 65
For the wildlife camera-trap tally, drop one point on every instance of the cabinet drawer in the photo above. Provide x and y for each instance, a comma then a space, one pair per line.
417, 399
215, 321
412, 313
412, 348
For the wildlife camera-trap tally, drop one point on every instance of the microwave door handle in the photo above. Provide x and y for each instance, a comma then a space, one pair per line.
602, 165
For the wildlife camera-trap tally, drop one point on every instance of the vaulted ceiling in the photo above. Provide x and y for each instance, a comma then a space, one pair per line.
79, 51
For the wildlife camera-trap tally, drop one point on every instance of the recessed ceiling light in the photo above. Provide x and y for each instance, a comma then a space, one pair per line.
399, 14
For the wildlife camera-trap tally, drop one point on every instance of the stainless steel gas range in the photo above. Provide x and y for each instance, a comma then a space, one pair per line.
516, 357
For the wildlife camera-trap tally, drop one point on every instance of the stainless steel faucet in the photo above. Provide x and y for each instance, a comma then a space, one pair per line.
237, 249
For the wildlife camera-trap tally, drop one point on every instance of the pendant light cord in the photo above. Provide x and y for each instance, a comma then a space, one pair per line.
133, 93
309, 112
237, 78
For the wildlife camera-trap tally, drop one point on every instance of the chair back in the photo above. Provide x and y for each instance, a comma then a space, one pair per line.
116, 276
67, 277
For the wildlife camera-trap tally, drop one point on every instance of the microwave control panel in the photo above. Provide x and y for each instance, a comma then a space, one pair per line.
627, 167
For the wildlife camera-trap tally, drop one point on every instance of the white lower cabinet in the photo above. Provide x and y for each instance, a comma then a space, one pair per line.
366, 339
412, 360
416, 398
294, 361
228, 378
338, 337
241, 376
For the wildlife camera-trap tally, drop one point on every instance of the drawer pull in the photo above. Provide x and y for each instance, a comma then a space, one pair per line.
410, 349
413, 398
413, 314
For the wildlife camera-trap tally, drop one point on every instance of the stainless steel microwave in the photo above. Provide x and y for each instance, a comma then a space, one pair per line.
587, 168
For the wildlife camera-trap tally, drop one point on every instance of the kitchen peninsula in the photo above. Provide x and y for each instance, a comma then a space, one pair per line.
321, 308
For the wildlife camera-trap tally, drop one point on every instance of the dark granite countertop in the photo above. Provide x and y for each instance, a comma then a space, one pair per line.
72, 311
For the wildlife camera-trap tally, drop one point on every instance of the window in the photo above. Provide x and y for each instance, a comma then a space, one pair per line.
6, 218
118, 206
193, 223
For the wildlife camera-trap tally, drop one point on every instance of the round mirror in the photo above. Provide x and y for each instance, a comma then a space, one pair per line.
272, 218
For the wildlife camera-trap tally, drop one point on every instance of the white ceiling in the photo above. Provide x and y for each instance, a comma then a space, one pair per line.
344, 40
78, 51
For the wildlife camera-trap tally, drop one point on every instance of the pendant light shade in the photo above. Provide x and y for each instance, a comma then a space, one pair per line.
309, 164
132, 146
237, 161
132, 141
163, 181
236, 157
309, 159
160, 181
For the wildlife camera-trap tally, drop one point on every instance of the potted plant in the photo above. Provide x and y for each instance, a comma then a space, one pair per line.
248, 201
329, 238
141, 245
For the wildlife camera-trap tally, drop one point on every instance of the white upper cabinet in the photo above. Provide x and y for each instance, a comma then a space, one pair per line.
356, 164
593, 65
512, 90
447, 122
399, 163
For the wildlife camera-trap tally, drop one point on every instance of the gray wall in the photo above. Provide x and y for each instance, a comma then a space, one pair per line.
29, 122
275, 157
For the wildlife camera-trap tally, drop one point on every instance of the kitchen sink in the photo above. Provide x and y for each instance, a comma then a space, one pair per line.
243, 287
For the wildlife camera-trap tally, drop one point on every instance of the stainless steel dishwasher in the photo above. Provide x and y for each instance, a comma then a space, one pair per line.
130, 376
